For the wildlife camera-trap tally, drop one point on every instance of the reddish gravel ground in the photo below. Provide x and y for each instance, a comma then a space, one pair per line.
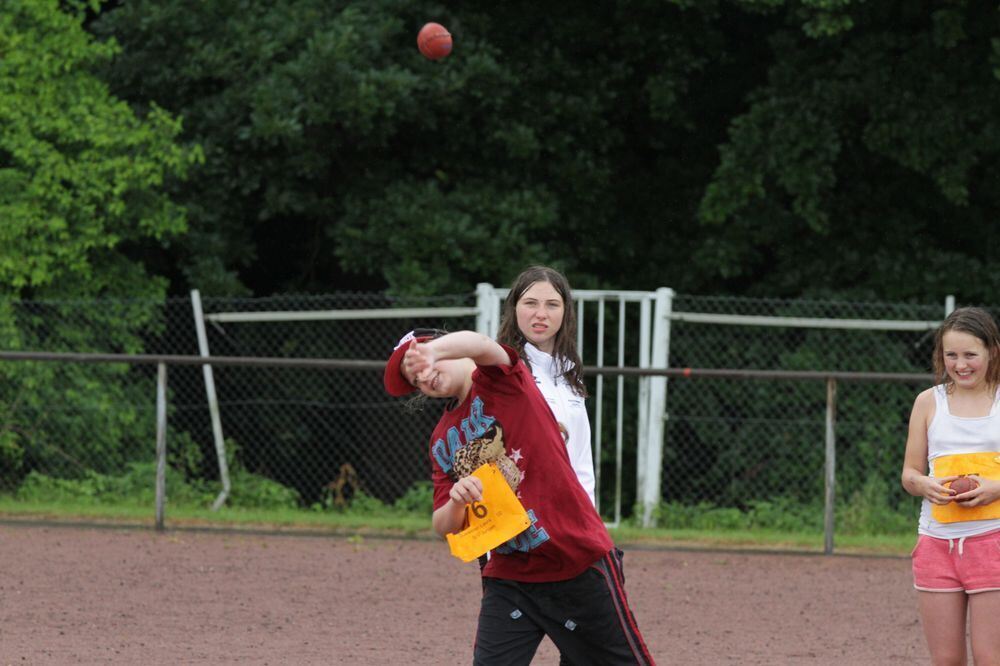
134, 596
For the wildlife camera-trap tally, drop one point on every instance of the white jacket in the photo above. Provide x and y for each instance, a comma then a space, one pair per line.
570, 411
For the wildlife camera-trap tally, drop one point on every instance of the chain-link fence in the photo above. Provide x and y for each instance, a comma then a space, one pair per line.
733, 448
293, 436
758, 445
326, 434
88, 423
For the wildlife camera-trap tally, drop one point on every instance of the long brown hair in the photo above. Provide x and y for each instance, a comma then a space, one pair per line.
979, 324
564, 343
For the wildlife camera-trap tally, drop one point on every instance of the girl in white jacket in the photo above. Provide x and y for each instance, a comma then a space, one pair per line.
539, 321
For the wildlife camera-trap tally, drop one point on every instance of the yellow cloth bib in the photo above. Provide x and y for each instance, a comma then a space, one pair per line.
498, 518
985, 464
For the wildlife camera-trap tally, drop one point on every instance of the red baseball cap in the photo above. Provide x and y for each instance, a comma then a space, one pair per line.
395, 383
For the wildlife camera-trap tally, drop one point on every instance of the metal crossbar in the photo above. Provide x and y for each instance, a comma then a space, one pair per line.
163, 360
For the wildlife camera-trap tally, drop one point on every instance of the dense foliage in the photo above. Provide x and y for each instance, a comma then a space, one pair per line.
773, 147
81, 175
81, 181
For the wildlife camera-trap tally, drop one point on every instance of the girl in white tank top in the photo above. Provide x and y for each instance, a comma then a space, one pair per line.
954, 431
950, 435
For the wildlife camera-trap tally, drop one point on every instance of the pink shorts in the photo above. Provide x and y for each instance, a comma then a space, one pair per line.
966, 565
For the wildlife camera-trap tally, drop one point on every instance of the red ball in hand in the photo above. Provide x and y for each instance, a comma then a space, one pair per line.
434, 41
963, 484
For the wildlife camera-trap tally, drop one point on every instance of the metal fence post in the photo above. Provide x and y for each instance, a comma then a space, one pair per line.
830, 495
213, 401
649, 482
598, 429
619, 412
645, 335
161, 442
488, 304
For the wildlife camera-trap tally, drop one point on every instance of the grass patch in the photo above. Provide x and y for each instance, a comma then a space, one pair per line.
866, 525
238, 517
389, 522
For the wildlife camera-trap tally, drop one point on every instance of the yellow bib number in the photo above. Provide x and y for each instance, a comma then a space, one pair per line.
985, 464
498, 518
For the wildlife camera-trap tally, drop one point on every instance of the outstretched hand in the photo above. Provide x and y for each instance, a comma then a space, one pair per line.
419, 360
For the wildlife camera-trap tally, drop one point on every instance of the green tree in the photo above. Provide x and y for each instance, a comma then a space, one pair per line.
336, 156
81, 178
866, 163
772, 147
80, 174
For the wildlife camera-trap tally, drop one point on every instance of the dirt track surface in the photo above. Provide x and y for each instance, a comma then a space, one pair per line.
108, 596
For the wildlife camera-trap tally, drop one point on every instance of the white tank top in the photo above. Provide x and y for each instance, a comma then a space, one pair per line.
947, 435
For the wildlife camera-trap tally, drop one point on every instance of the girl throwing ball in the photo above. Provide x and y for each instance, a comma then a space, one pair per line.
561, 577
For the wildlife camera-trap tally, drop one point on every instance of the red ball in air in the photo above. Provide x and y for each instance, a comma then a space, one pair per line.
434, 41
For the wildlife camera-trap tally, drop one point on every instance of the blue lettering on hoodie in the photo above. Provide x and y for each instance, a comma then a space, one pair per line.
530, 538
473, 426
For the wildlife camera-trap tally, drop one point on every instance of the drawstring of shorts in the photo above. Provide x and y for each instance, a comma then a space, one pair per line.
961, 546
